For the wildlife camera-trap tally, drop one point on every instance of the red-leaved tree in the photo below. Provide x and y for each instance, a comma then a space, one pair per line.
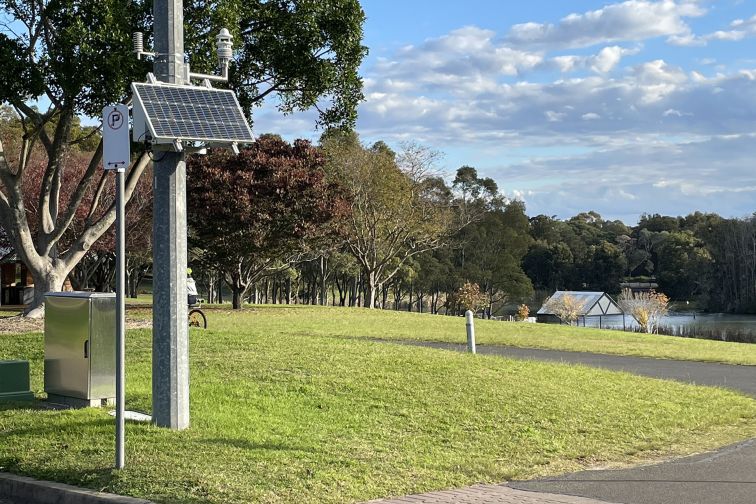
258, 212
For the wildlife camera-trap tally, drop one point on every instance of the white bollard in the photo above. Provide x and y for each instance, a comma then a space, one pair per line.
470, 331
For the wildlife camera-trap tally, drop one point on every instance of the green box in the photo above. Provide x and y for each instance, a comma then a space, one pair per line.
14, 381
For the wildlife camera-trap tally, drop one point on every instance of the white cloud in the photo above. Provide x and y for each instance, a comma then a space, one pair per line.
740, 29
669, 178
465, 60
552, 116
602, 62
675, 113
471, 89
632, 20
636, 101
607, 59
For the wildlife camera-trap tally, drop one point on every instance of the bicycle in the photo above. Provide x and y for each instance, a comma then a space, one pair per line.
197, 317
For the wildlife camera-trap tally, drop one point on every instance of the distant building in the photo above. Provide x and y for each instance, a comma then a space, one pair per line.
16, 283
636, 287
593, 304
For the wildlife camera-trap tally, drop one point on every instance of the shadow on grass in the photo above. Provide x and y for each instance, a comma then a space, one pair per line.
21, 405
245, 444
56, 427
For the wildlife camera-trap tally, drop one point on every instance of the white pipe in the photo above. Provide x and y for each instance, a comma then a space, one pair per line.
470, 324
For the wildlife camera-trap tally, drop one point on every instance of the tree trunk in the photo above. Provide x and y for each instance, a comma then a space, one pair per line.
355, 291
323, 277
236, 298
50, 281
370, 289
210, 289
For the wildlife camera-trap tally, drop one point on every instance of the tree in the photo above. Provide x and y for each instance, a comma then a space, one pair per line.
732, 244
566, 307
683, 265
476, 193
306, 53
470, 297
647, 308
256, 213
604, 267
76, 55
491, 251
399, 210
523, 312
550, 267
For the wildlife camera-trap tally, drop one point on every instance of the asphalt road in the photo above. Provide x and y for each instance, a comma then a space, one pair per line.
725, 476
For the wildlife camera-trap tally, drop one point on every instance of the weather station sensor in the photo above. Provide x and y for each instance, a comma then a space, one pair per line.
177, 117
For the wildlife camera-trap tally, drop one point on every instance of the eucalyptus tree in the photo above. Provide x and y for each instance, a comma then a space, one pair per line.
494, 247
65, 59
400, 209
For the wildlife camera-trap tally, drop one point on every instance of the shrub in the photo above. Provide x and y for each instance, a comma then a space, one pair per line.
647, 308
568, 308
470, 297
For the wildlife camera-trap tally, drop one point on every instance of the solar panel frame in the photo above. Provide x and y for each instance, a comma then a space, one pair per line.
189, 113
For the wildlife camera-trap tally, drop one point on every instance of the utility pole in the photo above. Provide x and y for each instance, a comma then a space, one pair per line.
170, 345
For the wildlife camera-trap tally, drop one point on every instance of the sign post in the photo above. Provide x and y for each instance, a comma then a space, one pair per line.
116, 157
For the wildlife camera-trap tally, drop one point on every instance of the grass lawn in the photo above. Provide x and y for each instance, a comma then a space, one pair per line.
283, 411
386, 324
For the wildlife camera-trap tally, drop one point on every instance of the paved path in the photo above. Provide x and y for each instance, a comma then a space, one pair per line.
725, 476
487, 494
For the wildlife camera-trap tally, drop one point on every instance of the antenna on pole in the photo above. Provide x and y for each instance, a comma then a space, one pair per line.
137, 39
224, 43
224, 50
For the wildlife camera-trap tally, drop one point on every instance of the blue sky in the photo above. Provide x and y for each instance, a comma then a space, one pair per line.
623, 108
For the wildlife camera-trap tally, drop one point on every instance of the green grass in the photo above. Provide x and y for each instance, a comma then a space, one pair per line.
283, 411
386, 324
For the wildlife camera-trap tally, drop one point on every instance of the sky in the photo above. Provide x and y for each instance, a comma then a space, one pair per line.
622, 108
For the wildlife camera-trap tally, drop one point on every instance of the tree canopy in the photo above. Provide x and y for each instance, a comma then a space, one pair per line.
74, 56
262, 210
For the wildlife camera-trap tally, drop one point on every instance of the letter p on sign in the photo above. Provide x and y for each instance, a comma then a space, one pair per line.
115, 138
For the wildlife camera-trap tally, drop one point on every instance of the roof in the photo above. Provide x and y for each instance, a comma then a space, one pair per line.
7, 256
639, 285
593, 303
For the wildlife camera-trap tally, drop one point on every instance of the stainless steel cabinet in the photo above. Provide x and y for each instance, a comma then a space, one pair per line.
80, 348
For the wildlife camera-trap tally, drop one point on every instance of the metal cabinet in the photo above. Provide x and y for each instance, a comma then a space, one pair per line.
80, 348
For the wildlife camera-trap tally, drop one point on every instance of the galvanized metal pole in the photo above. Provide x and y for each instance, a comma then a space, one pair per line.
470, 323
170, 348
120, 459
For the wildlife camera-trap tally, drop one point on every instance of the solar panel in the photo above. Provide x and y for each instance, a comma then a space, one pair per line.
188, 113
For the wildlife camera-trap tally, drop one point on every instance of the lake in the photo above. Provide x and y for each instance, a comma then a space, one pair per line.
718, 325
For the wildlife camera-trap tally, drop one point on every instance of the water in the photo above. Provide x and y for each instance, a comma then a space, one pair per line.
718, 325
